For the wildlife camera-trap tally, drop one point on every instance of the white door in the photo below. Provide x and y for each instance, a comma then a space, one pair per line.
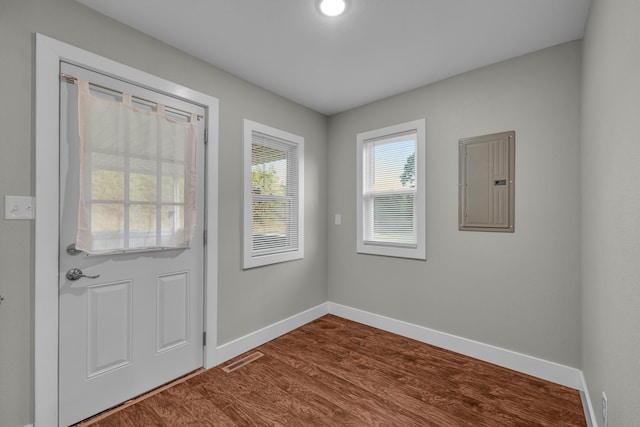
139, 323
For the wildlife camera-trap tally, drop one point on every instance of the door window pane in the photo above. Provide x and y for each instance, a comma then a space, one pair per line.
107, 225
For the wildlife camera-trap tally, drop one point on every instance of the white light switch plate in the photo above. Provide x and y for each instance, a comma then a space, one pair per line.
19, 207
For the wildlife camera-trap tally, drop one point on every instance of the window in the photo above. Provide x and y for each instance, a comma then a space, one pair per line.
391, 191
137, 174
273, 195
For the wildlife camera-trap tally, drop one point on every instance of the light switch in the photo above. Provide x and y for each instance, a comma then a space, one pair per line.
338, 219
19, 207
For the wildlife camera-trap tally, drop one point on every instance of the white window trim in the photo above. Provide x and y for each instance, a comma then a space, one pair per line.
385, 249
249, 260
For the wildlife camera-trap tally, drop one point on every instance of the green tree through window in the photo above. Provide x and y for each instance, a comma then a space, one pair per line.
408, 177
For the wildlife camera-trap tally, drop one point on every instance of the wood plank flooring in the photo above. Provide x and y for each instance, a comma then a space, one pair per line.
334, 372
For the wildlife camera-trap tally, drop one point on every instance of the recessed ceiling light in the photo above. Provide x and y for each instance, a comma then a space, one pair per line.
332, 7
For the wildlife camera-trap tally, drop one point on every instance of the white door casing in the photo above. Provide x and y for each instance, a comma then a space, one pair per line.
49, 54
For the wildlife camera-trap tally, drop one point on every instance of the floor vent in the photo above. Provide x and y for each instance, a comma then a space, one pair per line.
244, 361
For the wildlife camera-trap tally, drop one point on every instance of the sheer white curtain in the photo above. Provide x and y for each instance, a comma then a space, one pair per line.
137, 175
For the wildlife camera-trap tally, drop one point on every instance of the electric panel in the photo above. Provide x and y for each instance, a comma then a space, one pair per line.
487, 182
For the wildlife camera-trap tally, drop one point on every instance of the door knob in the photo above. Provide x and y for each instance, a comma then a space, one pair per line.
76, 273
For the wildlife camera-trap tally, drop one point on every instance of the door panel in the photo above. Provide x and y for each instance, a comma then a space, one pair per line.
140, 323
173, 311
109, 328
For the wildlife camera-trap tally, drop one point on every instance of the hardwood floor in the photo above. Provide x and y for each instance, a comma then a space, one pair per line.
334, 372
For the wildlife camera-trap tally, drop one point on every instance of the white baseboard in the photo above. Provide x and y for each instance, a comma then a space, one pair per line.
530, 365
540, 368
255, 339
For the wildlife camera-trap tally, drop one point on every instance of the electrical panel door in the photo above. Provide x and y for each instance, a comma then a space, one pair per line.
487, 184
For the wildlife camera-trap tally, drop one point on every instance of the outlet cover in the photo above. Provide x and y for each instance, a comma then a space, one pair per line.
19, 207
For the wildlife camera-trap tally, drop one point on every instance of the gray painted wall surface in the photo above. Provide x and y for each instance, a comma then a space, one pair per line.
248, 300
518, 291
611, 209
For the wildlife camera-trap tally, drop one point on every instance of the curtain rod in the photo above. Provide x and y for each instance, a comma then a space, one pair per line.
72, 80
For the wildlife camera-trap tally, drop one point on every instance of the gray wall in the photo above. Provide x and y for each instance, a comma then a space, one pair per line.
611, 209
248, 300
518, 291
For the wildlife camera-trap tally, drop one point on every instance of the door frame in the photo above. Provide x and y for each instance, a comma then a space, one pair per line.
49, 53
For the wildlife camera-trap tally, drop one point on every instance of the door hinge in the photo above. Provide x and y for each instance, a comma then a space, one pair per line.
204, 238
204, 338
206, 136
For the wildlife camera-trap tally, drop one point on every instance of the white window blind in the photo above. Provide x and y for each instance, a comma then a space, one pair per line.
391, 191
273, 195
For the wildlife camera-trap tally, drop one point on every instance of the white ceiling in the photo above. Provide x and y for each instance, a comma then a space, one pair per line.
376, 49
